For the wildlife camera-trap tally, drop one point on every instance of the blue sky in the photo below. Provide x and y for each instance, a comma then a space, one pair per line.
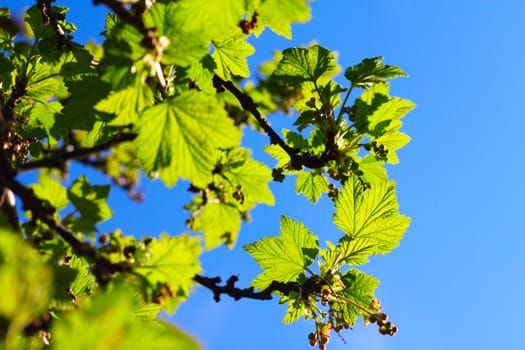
456, 281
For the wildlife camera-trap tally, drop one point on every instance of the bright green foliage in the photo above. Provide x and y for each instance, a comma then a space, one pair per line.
371, 71
26, 282
171, 262
164, 96
230, 56
90, 202
362, 293
300, 65
51, 189
284, 258
109, 321
311, 184
278, 14
178, 137
370, 215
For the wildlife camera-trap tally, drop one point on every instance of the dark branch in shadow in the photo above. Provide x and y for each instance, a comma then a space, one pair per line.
249, 293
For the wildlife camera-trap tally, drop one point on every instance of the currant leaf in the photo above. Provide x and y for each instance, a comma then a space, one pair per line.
300, 65
372, 215
286, 257
178, 137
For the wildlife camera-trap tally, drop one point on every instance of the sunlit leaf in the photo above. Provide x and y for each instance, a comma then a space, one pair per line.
311, 184
371, 214
283, 258
180, 137
300, 65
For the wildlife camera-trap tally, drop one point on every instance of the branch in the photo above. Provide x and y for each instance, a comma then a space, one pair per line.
58, 159
238, 293
50, 17
298, 159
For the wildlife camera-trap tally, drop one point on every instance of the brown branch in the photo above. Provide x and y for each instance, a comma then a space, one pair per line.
58, 159
238, 293
50, 17
298, 159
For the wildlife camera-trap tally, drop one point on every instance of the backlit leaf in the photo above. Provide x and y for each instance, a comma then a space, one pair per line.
286, 257
312, 184
371, 71
230, 56
371, 214
300, 65
179, 137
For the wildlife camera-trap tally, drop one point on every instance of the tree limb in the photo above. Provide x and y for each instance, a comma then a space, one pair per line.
238, 293
298, 158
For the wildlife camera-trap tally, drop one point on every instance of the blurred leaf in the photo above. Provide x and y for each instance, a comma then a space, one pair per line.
185, 46
220, 223
279, 14
90, 201
50, 189
214, 18
27, 286
109, 321
173, 262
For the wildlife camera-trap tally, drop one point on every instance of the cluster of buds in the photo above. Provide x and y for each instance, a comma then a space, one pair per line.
385, 327
16, 146
321, 336
378, 149
248, 26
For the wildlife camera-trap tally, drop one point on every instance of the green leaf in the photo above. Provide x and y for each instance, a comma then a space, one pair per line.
44, 115
312, 184
373, 169
78, 112
27, 282
300, 65
278, 153
214, 18
359, 288
109, 320
220, 223
90, 201
7, 29
279, 14
127, 104
48, 188
286, 257
393, 140
185, 46
371, 214
124, 58
371, 71
179, 137
173, 261
230, 56
296, 307
249, 177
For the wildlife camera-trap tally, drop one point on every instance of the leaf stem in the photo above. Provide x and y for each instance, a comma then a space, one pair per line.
340, 114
